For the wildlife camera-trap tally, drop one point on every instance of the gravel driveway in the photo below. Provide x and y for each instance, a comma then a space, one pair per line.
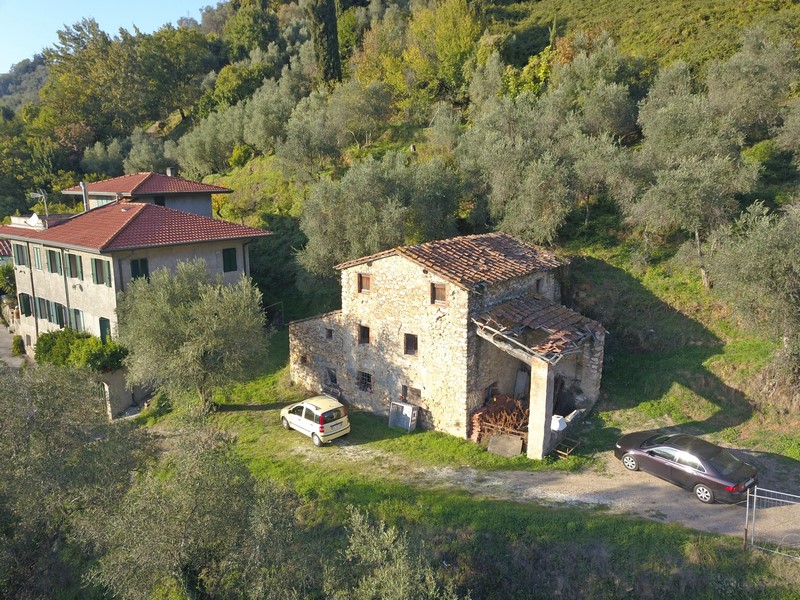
619, 490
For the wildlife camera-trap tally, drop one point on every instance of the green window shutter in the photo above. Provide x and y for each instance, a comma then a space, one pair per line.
37, 258
94, 270
107, 270
25, 304
144, 268
59, 266
105, 329
69, 265
229, 260
47, 261
79, 263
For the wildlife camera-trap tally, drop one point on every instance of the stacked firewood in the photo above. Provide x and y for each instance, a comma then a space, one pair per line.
502, 415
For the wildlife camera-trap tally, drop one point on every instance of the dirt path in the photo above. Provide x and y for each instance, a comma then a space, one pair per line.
611, 486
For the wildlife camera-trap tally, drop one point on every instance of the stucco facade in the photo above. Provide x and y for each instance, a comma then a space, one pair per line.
407, 332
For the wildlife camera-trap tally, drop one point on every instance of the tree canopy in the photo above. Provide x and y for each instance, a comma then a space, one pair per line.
188, 332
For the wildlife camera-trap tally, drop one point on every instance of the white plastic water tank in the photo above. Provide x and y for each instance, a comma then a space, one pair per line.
558, 423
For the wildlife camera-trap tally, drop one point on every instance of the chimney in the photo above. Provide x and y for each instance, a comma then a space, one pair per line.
172, 172
85, 196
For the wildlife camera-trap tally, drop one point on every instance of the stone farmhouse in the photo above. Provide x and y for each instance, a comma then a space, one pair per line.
167, 190
447, 326
69, 274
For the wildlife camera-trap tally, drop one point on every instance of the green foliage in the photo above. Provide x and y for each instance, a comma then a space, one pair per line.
17, 346
105, 160
146, 154
533, 77
55, 347
189, 332
251, 27
756, 267
240, 155
200, 523
91, 352
56, 452
383, 564
325, 37
8, 281
378, 205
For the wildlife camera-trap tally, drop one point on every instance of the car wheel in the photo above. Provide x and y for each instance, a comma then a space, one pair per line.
629, 462
704, 494
316, 440
285, 423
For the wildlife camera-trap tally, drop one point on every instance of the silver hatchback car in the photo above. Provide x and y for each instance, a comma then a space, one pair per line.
322, 418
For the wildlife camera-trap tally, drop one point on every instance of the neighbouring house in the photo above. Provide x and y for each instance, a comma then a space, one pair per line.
447, 326
69, 274
167, 190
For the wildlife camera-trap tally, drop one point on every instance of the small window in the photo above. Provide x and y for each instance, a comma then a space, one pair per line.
538, 285
37, 258
41, 308
59, 314
303, 359
410, 344
139, 268
25, 305
159, 200
330, 376
363, 334
21, 258
438, 293
328, 334
229, 260
364, 381
54, 262
101, 272
364, 283
74, 266
105, 330
76, 320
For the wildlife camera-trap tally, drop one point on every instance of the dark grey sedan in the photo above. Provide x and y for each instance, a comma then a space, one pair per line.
711, 472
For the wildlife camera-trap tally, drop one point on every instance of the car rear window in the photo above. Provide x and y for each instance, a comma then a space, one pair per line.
724, 462
333, 415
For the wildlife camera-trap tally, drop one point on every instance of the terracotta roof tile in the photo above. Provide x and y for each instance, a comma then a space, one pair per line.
147, 184
128, 225
469, 260
564, 329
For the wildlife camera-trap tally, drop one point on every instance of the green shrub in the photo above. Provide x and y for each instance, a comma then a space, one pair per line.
55, 347
17, 346
93, 353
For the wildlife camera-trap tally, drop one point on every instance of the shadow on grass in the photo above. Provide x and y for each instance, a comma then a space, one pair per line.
656, 356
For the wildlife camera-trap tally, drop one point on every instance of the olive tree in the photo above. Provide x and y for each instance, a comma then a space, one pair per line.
187, 331
60, 460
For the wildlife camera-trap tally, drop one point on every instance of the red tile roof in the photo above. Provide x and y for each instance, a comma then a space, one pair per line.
469, 260
147, 184
543, 328
129, 225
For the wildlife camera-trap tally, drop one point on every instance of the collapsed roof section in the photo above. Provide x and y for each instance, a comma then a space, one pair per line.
534, 327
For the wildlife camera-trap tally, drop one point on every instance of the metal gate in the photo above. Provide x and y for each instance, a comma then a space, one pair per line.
772, 522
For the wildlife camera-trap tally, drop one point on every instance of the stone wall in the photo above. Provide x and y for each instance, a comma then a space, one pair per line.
399, 302
315, 346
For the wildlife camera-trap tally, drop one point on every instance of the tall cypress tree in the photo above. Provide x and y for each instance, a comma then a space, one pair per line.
325, 36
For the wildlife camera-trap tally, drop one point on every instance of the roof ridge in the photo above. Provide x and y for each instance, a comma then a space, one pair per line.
148, 176
138, 207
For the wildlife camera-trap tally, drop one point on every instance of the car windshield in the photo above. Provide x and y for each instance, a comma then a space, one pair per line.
724, 462
655, 440
333, 415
